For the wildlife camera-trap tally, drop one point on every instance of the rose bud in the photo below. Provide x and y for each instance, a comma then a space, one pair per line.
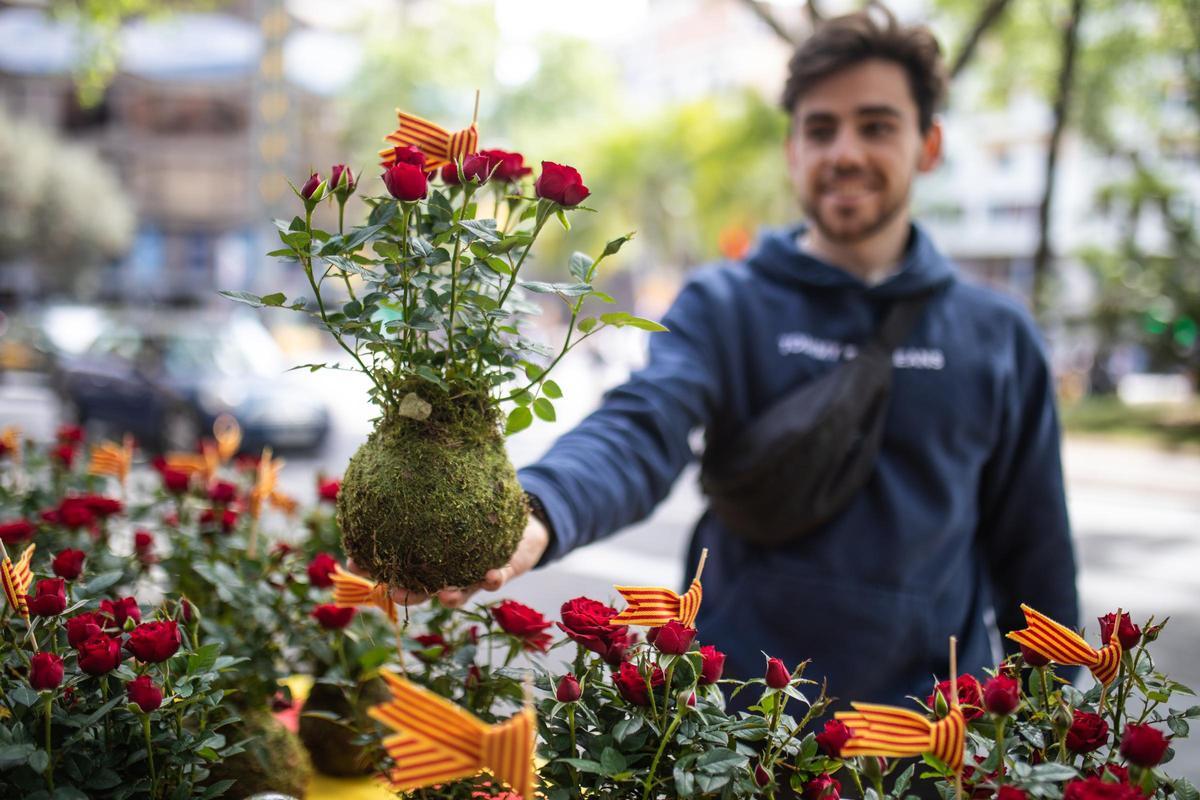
82, 627
1143, 745
1088, 732
342, 179
45, 671
327, 491
561, 184
154, 642
99, 654
568, 690
1007, 792
332, 617
103, 507
228, 518
822, 787
477, 167
450, 175
406, 182
433, 647
761, 776
321, 569
712, 665
17, 531
674, 638
1002, 695
69, 434
49, 597
64, 455
409, 154
691, 700
777, 674
68, 564
144, 693
970, 696
521, 621
632, 685
831, 740
1151, 633
143, 546
73, 514
175, 481
222, 493
313, 190
1033, 658
474, 678
1127, 633
126, 608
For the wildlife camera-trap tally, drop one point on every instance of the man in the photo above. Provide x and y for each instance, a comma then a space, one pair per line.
964, 516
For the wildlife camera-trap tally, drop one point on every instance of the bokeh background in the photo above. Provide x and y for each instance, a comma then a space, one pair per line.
146, 146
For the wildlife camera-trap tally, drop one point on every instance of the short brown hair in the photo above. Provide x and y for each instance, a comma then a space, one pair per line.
871, 33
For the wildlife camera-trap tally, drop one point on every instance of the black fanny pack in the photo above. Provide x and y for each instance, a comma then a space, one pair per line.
801, 461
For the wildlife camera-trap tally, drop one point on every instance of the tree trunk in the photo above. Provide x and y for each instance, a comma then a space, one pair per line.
987, 17
1062, 104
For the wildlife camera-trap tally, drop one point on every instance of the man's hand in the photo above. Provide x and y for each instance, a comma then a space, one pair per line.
533, 544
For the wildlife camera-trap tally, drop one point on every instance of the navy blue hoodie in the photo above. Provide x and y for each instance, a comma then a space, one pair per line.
963, 519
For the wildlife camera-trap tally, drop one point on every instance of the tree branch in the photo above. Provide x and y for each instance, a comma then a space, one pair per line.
770, 20
987, 17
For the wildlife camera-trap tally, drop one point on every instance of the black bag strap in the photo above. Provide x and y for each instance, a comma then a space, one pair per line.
899, 320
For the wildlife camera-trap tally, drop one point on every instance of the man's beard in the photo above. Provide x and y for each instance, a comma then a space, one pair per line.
841, 234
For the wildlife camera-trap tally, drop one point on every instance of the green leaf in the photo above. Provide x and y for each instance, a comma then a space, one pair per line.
1053, 772
720, 760
532, 371
482, 229
623, 318
612, 762
562, 219
564, 289
1184, 790
523, 397
519, 419
1178, 726
498, 264
286, 252
352, 309
586, 324
204, 659
579, 265
551, 390
100, 583
39, 760
71, 793
360, 236
544, 409
15, 754
275, 299
626, 728
252, 300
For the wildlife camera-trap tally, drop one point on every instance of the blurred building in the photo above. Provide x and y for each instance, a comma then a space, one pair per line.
208, 116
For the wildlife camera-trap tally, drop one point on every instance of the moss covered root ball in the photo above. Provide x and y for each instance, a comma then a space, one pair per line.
432, 503
274, 759
331, 744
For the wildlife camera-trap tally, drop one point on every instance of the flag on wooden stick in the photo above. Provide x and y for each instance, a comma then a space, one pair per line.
16, 579
1064, 646
657, 605
350, 590
439, 145
892, 732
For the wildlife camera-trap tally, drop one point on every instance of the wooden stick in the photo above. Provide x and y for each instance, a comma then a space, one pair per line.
475, 114
700, 566
954, 705
399, 643
1103, 686
527, 690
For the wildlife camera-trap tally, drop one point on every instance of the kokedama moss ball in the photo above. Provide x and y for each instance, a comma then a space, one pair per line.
431, 503
331, 744
274, 759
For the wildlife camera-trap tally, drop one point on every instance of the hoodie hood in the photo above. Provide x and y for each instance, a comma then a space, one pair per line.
778, 257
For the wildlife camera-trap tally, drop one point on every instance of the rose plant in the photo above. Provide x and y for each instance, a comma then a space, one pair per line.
429, 300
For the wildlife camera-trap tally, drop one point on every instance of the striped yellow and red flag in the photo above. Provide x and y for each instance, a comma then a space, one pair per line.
439, 741
439, 145
656, 605
897, 732
110, 458
10, 443
228, 435
350, 590
16, 579
264, 483
1062, 645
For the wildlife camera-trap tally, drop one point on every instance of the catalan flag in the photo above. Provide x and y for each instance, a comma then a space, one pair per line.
655, 605
16, 580
1062, 645
228, 435
438, 741
264, 483
10, 442
439, 145
897, 732
110, 458
350, 590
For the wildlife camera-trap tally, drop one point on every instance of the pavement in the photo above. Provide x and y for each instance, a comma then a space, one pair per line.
1135, 512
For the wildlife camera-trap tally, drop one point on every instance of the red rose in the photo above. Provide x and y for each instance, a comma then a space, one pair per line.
1096, 788
175, 481
450, 175
310, 186
69, 434
141, 690
321, 569
1143, 745
822, 787
327, 491
1002, 695
99, 654
409, 154
1088, 732
1010, 793
68, 564
970, 696
561, 184
342, 179
1116, 770
120, 610
332, 617
153, 642
568, 690
674, 638
222, 493
143, 546
1033, 658
777, 674
17, 531
428, 641
761, 776
499, 164
45, 671
523, 622
632, 685
74, 514
406, 181
49, 597
100, 505
64, 454
712, 665
229, 518
82, 627
586, 622
1128, 634
833, 738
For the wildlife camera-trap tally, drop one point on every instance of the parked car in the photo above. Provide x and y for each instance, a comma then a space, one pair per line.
165, 379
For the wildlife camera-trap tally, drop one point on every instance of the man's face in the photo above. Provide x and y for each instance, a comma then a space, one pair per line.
855, 149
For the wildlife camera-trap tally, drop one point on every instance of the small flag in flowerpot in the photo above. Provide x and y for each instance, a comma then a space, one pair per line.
438, 741
350, 590
16, 579
656, 605
1060, 644
110, 458
892, 732
439, 145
